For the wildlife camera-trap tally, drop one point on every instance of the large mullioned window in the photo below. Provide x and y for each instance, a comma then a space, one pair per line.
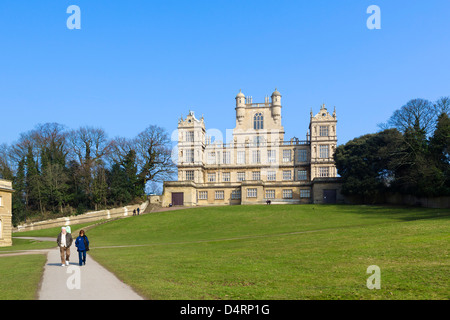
258, 121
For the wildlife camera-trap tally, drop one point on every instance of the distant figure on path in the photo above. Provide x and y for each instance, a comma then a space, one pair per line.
82, 244
138, 210
134, 212
64, 242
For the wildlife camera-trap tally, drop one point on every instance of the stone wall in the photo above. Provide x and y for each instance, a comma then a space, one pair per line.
82, 218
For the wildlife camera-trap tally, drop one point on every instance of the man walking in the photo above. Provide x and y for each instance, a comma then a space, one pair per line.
64, 241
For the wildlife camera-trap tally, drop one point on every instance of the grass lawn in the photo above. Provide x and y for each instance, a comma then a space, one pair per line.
280, 252
20, 276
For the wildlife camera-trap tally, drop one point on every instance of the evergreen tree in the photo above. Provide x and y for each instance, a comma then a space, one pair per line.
119, 187
18, 197
32, 183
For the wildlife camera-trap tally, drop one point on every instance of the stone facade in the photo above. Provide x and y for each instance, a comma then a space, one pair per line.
5, 213
256, 163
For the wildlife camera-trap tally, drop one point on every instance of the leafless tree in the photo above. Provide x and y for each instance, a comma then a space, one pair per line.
88, 145
442, 106
418, 113
6, 169
153, 152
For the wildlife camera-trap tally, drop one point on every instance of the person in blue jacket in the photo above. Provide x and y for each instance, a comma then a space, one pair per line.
82, 244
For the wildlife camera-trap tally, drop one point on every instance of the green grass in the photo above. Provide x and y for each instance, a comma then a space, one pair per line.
53, 232
26, 244
20, 276
280, 252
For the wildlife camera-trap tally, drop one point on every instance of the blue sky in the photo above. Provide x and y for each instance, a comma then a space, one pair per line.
141, 62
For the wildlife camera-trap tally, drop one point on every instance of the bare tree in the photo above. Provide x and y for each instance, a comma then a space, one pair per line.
153, 151
419, 114
89, 145
120, 147
442, 106
6, 170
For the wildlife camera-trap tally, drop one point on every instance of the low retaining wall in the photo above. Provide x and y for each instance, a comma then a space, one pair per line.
82, 218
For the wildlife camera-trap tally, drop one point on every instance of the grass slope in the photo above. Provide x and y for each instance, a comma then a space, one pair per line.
280, 252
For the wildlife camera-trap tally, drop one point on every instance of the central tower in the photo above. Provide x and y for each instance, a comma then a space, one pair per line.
258, 121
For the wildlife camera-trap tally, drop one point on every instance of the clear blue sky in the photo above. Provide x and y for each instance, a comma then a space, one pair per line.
141, 62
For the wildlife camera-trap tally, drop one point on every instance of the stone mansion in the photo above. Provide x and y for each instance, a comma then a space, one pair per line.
258, 163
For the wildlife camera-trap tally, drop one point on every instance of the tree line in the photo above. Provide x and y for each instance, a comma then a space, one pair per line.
59, 171
409, 155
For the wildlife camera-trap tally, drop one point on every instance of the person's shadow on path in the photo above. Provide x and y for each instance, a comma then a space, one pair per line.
59, 264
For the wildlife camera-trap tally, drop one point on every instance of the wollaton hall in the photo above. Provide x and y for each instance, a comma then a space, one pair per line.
258, 164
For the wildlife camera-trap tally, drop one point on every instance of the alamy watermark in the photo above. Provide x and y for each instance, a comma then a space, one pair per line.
374, 21
74, 280
374, 281
74, 20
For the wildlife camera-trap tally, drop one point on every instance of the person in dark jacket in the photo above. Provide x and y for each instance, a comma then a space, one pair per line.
64, 242
82, 244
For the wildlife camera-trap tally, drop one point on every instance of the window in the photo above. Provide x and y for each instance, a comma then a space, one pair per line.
189, 155
256, 175
271, 175
241, 176
240, 157
323, 172
211, 158
323, 131
211, 177
203, 195
271, 156
190, 175
287, 193
270, 194
302, 155
190, 136
258, 121
226, 177
287, 175
1, 230
323, 151
226, 157
257, 140
235, 194
302, 175
1, 203
256, 156
251, 193
305, 193
219, 195
286, 155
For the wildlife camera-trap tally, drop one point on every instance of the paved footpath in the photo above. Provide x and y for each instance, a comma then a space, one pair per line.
88, 282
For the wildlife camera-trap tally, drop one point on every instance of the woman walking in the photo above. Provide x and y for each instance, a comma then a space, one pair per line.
82, 244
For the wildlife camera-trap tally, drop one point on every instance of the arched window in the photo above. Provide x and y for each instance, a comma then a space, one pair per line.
258, 121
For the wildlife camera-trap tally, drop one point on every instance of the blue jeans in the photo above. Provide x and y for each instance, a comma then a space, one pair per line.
82, 257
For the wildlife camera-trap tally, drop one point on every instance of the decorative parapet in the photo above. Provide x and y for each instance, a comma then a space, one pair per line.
6, 185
